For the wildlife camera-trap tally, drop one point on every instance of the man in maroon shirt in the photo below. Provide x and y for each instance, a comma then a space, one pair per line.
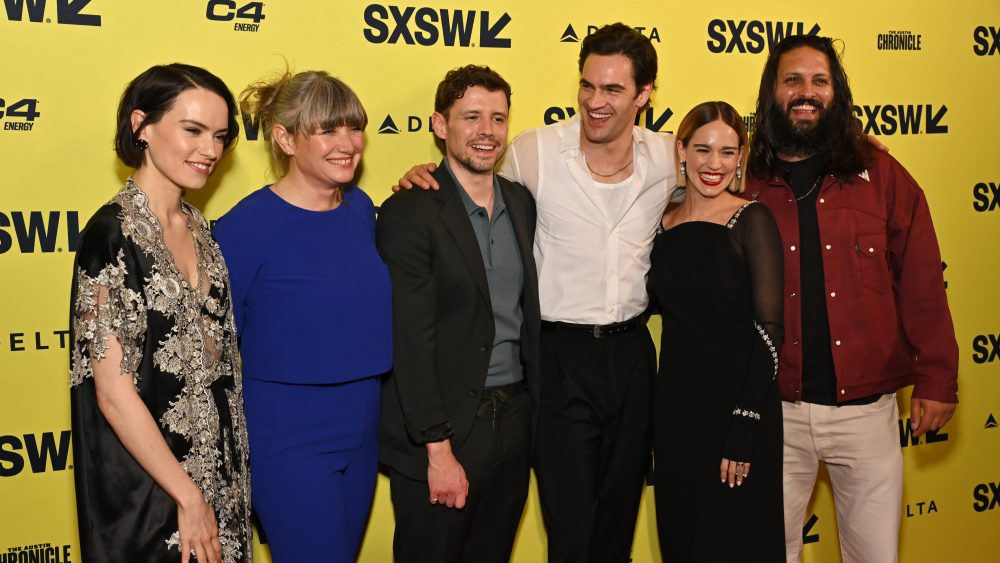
865, 305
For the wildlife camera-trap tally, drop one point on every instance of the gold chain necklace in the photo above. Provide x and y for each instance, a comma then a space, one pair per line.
805, 195
596, 173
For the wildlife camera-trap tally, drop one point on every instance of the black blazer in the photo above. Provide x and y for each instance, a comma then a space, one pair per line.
443, 325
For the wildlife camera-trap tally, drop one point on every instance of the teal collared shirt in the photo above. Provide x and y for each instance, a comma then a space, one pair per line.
505, 277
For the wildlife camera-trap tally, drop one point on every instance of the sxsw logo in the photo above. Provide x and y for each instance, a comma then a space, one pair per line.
906, 437
987, 40
19, 115
807, 535
67, 12
753, 36
648, 118
569, 35
902, 119
41, 452
431, 26
987, 196
251, 122
414, 124
35, 231
986, 348
987, 496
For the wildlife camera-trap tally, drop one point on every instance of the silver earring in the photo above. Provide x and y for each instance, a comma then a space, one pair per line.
683, 169
739, 172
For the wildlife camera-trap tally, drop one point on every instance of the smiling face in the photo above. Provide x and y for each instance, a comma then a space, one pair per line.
609, 98
187, 142
804, 87
711, 156
474, 129
327, 157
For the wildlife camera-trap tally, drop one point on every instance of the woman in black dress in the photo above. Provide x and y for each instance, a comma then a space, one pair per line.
159, 437
717, 276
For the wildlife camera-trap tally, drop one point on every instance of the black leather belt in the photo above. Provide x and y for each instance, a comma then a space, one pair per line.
597, 331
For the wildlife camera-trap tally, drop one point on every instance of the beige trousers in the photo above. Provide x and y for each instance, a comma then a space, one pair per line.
860, 447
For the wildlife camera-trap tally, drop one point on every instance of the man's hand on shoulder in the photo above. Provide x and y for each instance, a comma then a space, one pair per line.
446, 479
420, 176
927, 414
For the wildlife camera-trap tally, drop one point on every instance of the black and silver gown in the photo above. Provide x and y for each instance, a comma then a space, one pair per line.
179, 349
719, 289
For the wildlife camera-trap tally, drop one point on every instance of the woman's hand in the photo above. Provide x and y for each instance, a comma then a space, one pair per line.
198, 529
734, 472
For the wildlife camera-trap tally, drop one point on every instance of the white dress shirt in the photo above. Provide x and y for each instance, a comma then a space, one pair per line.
592, 262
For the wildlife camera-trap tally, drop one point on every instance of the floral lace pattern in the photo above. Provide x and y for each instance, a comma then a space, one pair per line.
197, 349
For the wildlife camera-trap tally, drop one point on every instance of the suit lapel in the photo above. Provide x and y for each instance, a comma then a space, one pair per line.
456, 221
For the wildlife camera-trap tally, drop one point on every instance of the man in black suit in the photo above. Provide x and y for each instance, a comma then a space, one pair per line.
458, 408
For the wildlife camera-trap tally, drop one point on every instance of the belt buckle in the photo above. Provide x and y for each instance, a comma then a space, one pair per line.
597, 332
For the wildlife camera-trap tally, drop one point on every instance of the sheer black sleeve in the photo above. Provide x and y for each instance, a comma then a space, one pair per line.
757, 242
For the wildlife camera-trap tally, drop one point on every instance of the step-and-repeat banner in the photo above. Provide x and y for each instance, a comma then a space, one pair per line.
925, 78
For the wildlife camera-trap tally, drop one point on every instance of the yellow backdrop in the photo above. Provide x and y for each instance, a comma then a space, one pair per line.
925, 76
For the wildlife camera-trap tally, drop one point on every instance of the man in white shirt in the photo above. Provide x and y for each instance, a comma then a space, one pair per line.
601, 185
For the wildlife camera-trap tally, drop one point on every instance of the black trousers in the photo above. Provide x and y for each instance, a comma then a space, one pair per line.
496, 458
593, 442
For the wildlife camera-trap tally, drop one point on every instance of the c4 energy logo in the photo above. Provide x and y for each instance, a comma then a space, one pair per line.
650, 118
986, 348
986, 496
36, 231
248, 16
35, 452
414, 123
67, 12
986, 196
899, 41
569, 35
18, 115
753, 36
432, 26
986, 41
906, 437
902, 119
42, 552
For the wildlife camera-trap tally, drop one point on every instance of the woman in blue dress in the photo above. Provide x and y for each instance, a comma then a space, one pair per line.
312, 304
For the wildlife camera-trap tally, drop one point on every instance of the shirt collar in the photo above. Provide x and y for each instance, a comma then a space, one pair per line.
471, 206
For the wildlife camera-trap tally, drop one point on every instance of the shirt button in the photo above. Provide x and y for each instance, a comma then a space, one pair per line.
792, 248
833, 294
482, 348
843, 391
828, 247
870, 250
795, 342
792, 294
821, 200
472, 393
837, 343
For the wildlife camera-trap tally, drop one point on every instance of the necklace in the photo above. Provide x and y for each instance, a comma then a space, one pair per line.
805, 195
596, 173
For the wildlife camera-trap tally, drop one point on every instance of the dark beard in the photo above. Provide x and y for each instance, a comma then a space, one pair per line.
801, 141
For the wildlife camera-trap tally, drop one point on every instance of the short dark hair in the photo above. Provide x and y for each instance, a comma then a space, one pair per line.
848, 151
703, 114
620, 39
153, 92
460, 79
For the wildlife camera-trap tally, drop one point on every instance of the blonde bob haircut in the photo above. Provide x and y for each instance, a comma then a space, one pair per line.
304, 103
703, 114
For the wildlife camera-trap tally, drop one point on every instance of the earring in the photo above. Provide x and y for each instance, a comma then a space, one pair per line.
141, 144
683, 169
739, 172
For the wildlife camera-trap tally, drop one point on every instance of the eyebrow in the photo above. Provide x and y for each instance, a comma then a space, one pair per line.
203, 126
708, 147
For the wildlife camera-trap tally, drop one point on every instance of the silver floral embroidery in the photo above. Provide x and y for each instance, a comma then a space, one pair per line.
199, 349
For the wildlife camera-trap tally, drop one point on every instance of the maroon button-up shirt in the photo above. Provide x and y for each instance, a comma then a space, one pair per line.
890, 325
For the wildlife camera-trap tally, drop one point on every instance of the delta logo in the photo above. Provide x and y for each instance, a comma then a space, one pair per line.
902, 119
569, 35
39, 231
426, 26
414, 124
68, 12
752, 36
650, 118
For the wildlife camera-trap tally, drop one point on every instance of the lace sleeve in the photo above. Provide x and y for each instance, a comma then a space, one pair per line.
106, 299
758, 241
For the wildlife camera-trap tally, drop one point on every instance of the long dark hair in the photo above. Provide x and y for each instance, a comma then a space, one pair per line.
848, 150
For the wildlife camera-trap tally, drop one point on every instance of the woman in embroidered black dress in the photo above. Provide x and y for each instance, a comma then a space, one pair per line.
159, 436
716, 273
